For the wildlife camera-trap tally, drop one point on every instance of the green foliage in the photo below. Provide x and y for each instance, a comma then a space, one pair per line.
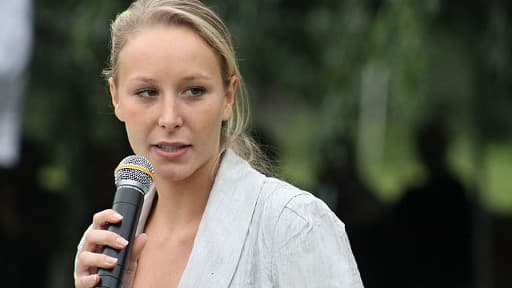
369, 71
498, 163
365, 71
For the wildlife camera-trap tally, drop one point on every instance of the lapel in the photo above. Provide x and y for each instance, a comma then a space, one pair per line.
224, 225
145, 210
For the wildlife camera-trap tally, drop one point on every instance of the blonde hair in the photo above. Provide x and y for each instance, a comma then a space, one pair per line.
195, 15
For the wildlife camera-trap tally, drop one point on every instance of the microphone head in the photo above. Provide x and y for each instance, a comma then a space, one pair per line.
135, 168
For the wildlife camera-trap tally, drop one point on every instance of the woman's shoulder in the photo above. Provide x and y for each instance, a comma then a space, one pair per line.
278, 200
288, 205
309, 245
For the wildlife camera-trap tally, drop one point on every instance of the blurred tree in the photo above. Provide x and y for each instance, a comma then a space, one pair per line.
366, 71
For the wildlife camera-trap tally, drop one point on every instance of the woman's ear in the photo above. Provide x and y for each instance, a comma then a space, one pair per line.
230, 97
115, 98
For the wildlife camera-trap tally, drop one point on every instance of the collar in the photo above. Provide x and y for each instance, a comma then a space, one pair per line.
224, 226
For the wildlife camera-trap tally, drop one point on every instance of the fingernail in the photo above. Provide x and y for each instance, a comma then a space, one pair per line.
118, 216
111, 260
121, 241
95, 279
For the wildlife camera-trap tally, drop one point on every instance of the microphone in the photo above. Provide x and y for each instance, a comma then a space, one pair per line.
133, 178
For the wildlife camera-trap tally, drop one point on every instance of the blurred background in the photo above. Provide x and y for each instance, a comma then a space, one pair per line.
397, 113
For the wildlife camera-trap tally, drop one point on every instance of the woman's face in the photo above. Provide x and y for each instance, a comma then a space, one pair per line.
172, 98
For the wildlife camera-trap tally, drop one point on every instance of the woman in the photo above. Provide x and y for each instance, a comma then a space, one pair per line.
211, 219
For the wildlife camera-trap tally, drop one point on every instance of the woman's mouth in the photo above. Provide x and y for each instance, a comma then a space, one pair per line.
171, 147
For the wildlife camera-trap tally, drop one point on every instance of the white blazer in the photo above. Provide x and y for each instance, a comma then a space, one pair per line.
258, 231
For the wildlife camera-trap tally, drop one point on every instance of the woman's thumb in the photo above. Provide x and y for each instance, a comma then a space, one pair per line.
138, 246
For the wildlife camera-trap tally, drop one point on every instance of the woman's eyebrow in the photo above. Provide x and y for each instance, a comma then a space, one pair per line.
190, 77
142, 79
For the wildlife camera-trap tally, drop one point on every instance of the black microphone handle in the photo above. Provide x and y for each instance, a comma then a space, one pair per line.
127, 202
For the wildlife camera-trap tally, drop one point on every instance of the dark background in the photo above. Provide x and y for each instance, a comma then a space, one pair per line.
396, 113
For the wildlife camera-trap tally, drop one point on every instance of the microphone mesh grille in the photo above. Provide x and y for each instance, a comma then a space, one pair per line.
135, 168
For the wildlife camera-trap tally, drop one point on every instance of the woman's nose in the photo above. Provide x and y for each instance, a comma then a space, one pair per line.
170, 113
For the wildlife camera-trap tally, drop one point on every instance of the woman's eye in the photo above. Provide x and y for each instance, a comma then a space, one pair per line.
146, 93
195, 91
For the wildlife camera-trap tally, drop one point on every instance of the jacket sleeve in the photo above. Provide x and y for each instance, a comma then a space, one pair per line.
311, 247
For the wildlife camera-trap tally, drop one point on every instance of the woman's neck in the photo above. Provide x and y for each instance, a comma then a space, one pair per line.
177, 207
182, 203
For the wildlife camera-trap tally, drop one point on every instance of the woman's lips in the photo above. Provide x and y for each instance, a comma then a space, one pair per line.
171, 147
171, 150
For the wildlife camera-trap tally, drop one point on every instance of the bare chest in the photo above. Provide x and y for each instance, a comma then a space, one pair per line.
161, 264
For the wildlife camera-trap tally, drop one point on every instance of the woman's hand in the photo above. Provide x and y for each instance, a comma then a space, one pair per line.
90, 258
